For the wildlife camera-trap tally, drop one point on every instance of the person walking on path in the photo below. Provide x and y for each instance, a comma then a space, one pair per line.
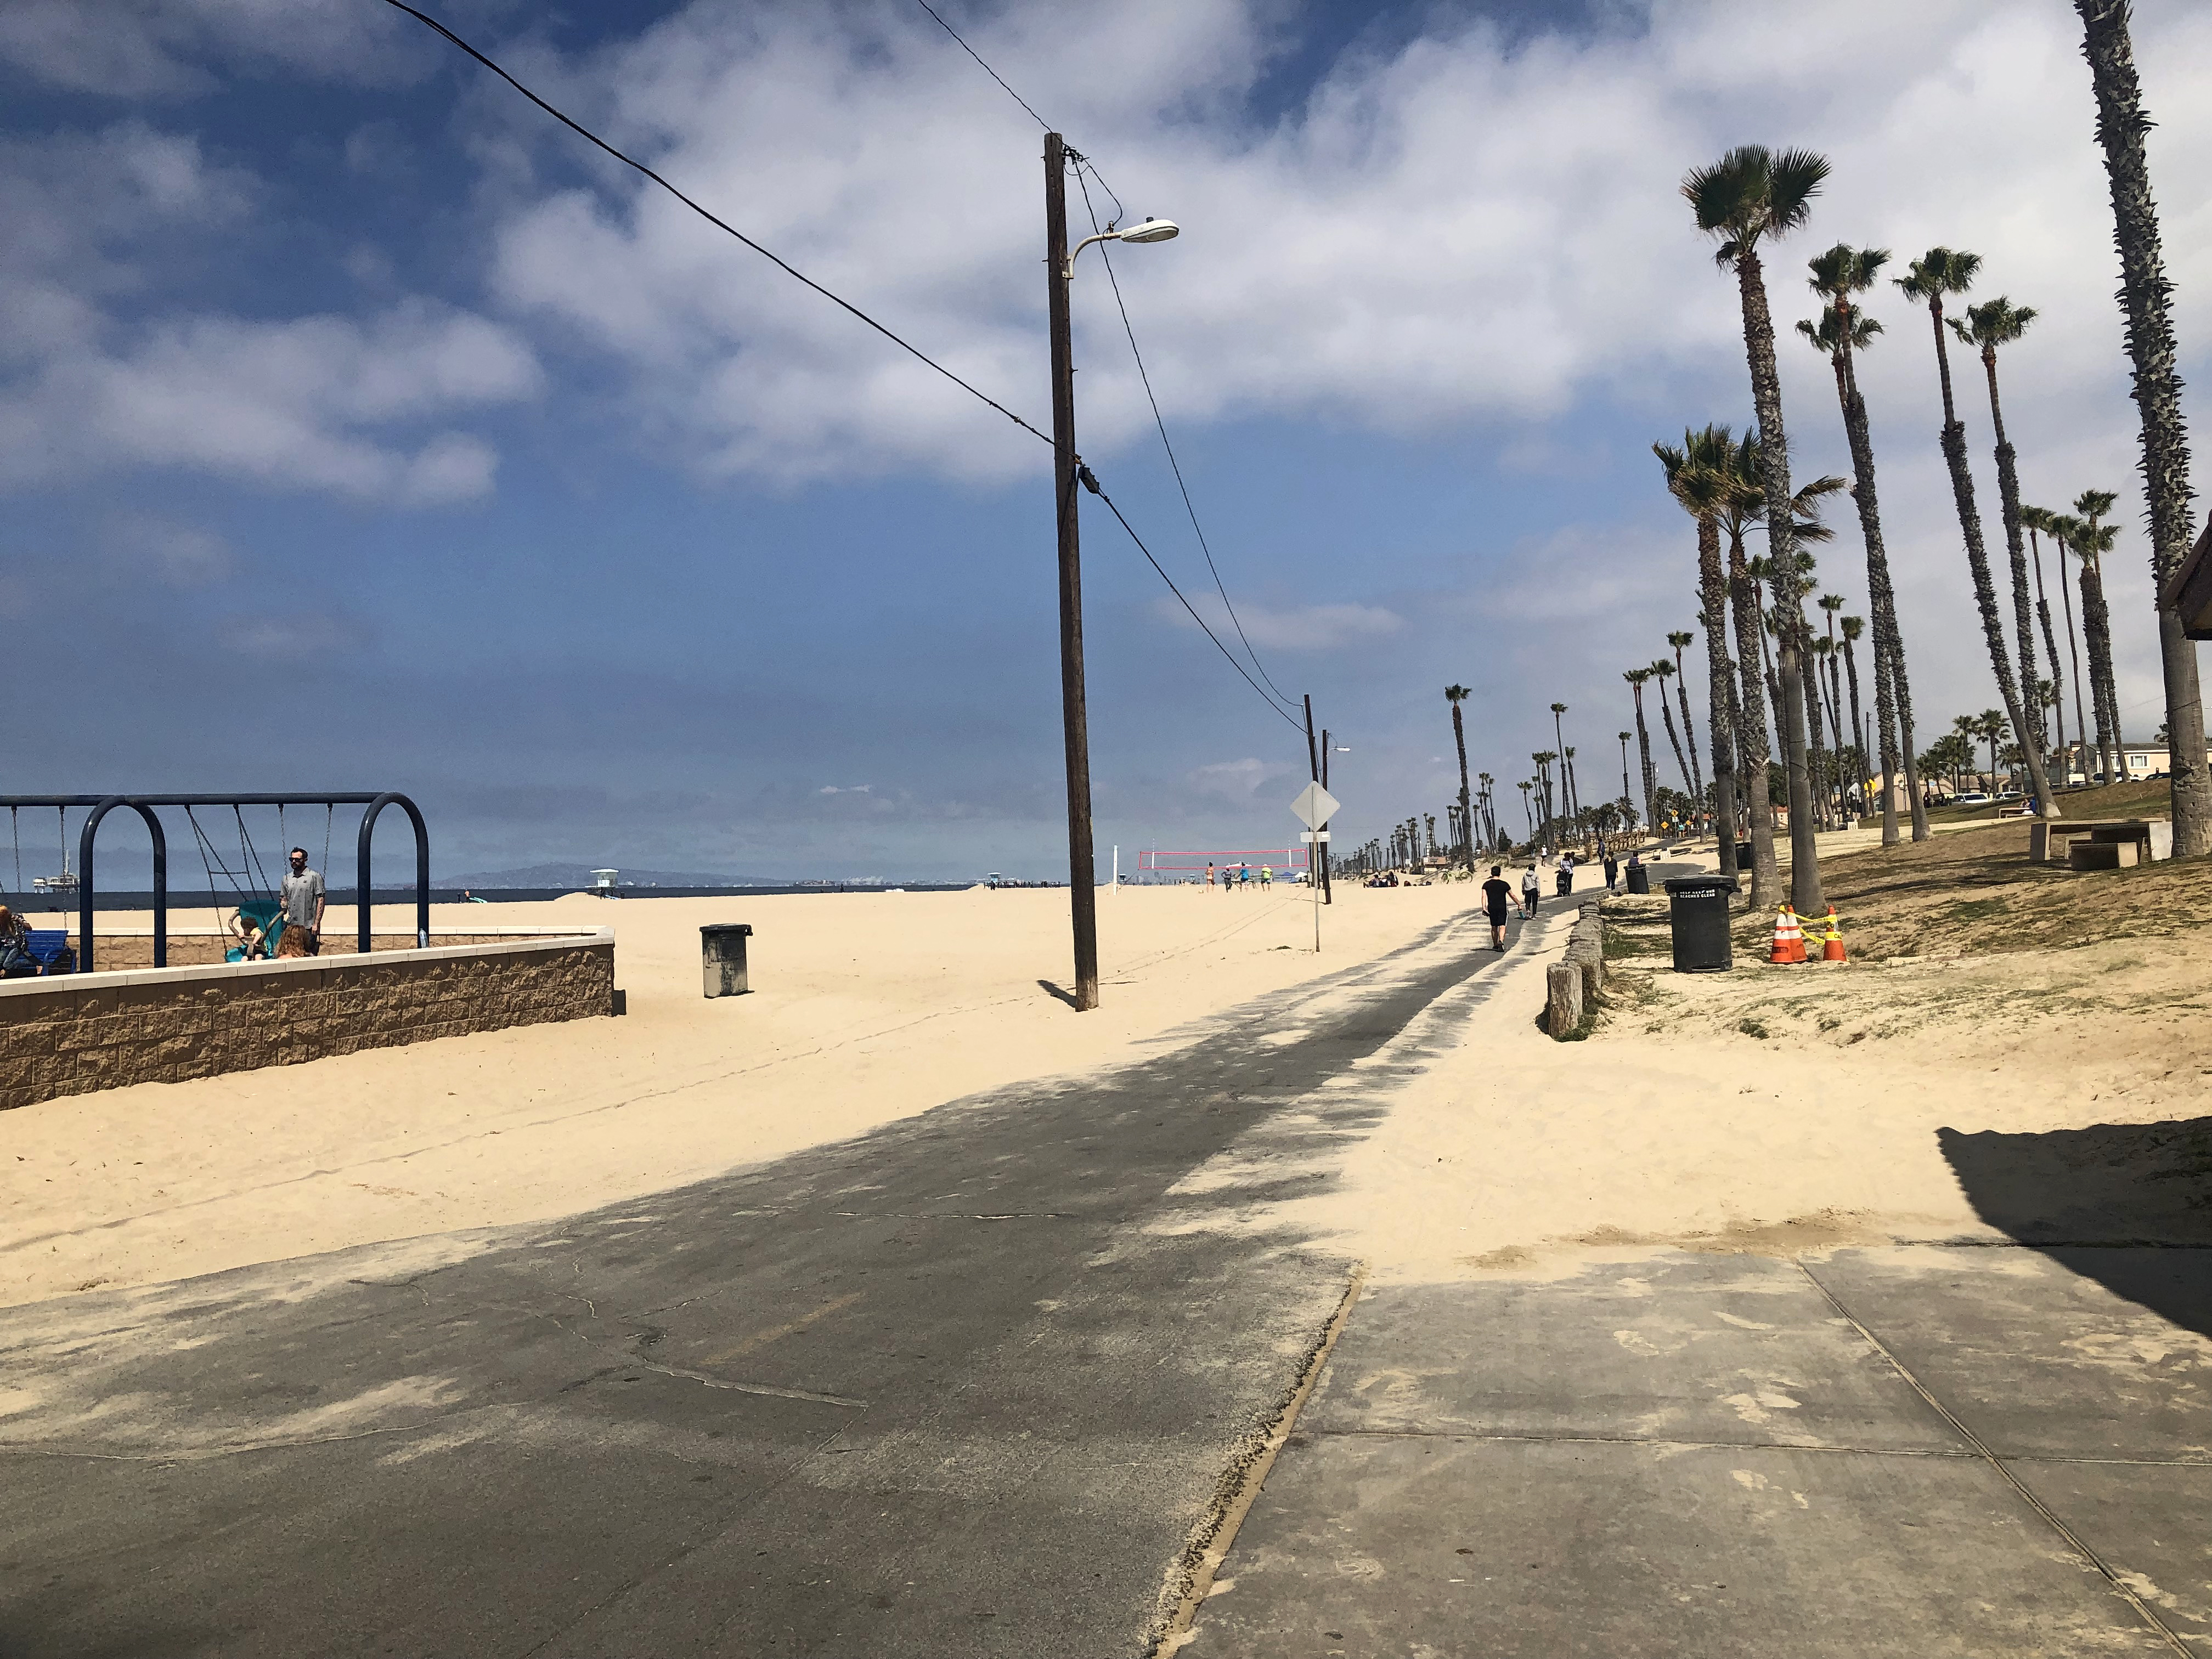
303, 899
1496, 895
1532, 889
1611, 872
1566, 879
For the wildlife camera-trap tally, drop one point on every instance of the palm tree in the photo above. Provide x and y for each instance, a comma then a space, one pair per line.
2059, 527
1750, 195
1854, 627
1840, 272
1682, 641
2144, 290
1489, 816
1626, 805
1831, 658
2036, 520
2091, 541
1559, 739
1636, 678
1527, 810
1663, 670
1991, 728
1457, 695
1987, 327
1544, 759
1940, 271
1574, 789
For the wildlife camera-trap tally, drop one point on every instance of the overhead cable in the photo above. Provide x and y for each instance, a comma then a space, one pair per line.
1089, 483
1105, 253
437, 28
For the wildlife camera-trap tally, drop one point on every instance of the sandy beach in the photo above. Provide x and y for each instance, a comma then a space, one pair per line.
866, 1007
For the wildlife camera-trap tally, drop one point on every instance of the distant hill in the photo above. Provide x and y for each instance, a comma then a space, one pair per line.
580, 875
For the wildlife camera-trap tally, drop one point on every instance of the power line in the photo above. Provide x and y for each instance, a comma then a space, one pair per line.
1084, 476
437, 28
1175, 466
986, 69
1012, 93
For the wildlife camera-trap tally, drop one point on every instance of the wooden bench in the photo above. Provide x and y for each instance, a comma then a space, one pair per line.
2100, 844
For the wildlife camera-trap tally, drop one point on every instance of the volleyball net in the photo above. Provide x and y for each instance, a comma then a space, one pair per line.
1158, 867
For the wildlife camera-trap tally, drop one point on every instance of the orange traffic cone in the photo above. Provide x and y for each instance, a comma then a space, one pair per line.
1831, 948
1789, 937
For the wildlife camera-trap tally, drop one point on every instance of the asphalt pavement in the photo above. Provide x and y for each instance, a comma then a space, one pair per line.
979, 1382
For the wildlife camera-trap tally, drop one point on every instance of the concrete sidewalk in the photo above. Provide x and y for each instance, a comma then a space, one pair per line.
1912, 1451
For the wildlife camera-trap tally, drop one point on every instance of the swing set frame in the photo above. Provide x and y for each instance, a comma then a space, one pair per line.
101, 805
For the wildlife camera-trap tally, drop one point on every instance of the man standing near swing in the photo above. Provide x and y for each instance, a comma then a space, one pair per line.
302, 897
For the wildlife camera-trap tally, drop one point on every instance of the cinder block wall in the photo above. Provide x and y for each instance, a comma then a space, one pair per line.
76, 1033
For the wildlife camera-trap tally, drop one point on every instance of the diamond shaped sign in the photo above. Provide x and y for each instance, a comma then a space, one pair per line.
1315, 806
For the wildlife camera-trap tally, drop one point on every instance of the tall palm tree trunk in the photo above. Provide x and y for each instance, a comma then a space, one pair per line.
1712, 596
1892, 696
2144, 290
1750, 712
2074, 651
1816, 749
1805, 893
1681, 760
1953, 443
1466, 802
2097, 629
2031, 734
2050, 647
1649, 772
1865, 762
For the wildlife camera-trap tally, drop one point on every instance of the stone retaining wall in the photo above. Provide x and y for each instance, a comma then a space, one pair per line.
119, 952
80, 1032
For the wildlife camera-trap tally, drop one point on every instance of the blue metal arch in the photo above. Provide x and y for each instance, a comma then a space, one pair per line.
84, 880
362, 906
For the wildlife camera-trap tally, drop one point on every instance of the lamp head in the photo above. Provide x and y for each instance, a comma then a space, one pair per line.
1152, 230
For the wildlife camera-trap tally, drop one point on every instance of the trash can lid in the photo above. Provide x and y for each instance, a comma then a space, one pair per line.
1700, 886
744, 927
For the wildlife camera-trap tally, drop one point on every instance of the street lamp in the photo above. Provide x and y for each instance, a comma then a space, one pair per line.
1059, 272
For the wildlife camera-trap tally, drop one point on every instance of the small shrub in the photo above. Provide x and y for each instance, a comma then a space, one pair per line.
1751, 1028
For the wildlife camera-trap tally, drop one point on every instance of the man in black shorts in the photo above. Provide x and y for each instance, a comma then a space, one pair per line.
1496, 895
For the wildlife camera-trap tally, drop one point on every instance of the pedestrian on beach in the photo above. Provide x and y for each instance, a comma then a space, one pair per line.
303, 899
16, 961
1611, 872
1209, 874
1567, 874
1495, 896
1532, 889
1267, 875
1244, 875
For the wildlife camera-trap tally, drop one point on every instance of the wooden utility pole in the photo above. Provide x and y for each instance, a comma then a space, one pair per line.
1327, 894
1082, 877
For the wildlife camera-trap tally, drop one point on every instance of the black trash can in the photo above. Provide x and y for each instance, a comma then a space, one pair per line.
1639, 878
722, 958
1697, 910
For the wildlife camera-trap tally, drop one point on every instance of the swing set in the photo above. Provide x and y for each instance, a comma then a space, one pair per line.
256, 910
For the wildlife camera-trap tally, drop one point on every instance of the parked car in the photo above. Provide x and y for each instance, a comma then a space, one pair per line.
1972, 797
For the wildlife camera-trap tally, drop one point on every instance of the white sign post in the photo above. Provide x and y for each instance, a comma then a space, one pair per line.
1314, 808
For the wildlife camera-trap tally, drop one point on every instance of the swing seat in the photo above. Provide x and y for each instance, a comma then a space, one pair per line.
260, 914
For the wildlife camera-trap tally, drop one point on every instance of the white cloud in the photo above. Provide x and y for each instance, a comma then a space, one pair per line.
326, 402
1305, 628
158, 48
1462, 230
175, 555
289, 404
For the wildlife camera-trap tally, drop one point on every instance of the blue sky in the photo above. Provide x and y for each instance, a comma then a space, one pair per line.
360, 429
